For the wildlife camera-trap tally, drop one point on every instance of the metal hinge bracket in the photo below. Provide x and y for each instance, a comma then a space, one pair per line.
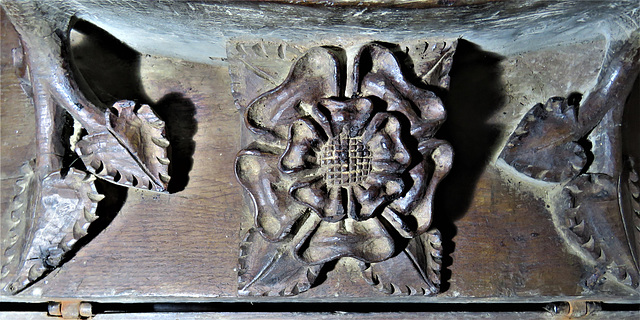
574, 309
70, 309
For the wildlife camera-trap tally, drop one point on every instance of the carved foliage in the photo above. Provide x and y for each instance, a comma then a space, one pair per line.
133, 152
398, 276
629, 196
592, 224
16, 221
59, 215
50, 215
125, 145
544, 145
332, 176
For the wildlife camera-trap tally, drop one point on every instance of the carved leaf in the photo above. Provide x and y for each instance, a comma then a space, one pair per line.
629, 197
14, 224
432, 61
415, 270
544, 145
596, 234
133, 153
270, 268
257, 66
58, 215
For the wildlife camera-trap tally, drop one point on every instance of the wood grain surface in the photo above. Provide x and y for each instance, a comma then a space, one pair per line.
500, 241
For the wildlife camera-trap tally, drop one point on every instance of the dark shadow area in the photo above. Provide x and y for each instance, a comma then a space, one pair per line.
108, 70
348, 307
105, 68
324, 271
630, 120
631, 163
178, 113
69, 157
475, 94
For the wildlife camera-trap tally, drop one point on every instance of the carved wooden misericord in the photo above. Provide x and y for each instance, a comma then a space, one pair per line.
315, 154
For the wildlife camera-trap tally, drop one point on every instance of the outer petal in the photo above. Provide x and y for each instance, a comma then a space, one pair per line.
274, 210
382, 137
420, 175
304, 143
367, 241
313, 77
328, 203
442, 157
384, 79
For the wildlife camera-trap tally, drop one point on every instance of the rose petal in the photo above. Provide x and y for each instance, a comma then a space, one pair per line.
334, 210
324, 201
420, 176
382, 138
369, 200
442, 157
274, 211
385, 79
317, 113
367, 241
352, 114
304, 143
313, 77
377, 189
410, 199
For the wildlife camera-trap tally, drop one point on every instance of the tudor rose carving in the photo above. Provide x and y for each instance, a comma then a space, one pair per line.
342, 169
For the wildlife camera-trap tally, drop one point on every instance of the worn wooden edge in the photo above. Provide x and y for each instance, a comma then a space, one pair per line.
385, 3
622, 315
435, 300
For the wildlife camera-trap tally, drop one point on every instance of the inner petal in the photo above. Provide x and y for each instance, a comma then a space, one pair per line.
325, 201
334, 210
350, 114
303, 142
388, 152
369, 199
